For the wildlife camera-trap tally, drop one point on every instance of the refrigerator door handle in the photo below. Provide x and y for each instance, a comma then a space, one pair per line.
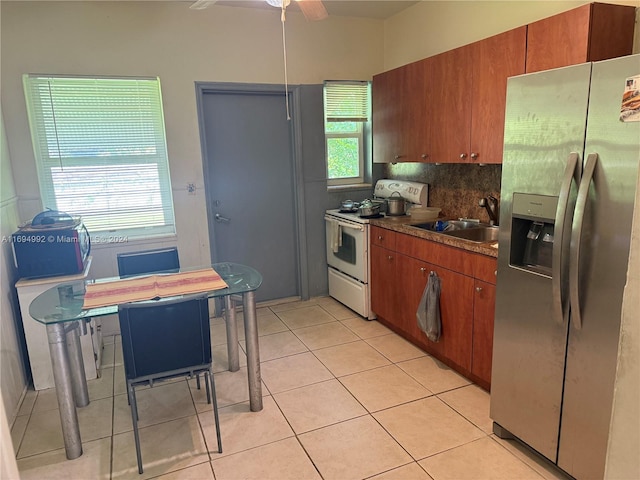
558, 281
576, 239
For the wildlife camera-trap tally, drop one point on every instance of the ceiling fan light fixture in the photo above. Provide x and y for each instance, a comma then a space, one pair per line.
201, 4
278, 3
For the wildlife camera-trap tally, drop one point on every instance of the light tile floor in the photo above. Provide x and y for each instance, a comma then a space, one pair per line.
344, 398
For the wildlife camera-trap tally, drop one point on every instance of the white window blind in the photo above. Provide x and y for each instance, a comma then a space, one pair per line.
101, 151
346, 101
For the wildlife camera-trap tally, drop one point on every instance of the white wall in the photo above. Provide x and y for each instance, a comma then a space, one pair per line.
181, 46
432, 27
12, 374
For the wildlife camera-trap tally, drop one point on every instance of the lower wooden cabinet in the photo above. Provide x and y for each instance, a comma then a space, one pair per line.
383, 275
398, 280
484, 306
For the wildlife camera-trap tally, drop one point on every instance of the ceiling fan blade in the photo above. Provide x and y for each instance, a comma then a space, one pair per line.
313, 10
201, 4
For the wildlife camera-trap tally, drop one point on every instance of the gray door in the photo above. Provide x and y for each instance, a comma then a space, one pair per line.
250, 186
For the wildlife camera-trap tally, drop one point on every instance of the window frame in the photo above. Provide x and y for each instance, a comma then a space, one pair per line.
156, 203
356, 113
359, 136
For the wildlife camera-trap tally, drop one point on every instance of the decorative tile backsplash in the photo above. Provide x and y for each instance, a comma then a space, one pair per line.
456, 188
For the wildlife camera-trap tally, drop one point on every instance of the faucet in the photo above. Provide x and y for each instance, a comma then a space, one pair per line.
490, 203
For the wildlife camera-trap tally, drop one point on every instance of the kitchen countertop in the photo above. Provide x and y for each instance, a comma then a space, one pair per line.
402, 224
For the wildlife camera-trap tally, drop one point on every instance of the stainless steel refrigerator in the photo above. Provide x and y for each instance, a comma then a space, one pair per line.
569, 180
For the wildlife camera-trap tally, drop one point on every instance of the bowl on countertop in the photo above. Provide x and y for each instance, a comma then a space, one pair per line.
424, 214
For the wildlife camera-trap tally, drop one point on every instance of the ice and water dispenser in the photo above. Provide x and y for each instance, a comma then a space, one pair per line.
533, 218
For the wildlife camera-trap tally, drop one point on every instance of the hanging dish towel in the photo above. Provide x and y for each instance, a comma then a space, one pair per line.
428, 313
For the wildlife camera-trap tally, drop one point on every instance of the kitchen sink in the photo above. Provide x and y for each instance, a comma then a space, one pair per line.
464, 229
478, 234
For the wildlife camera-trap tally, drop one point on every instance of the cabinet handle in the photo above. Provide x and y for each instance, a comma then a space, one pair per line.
422, 269
424, 156
478, 289
397, 157
475, 155
390, 257
463, 156
380, 237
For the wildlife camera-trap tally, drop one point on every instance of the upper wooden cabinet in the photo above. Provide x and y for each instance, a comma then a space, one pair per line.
589, 33
386, 116
449, 108
469, 87
400, 101
450, 120
494, 60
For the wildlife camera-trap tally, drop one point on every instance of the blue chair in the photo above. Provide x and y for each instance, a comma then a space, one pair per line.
148, 261
159, 260
163, 339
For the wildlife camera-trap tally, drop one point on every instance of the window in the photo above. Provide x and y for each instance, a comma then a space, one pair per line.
101, 153
346, 112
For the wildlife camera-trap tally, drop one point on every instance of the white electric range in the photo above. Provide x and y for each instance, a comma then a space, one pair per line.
349, 266
348, 260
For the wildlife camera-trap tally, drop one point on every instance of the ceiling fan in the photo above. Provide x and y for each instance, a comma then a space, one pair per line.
313, 10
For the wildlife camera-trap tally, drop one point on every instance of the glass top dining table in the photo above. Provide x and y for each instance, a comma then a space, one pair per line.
48, 307
61, 309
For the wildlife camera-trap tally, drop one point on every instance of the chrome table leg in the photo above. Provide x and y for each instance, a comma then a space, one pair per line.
232, 333
253, 352
76, 363
64, 390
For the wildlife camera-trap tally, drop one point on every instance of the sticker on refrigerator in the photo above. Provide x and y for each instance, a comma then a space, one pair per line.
630, 108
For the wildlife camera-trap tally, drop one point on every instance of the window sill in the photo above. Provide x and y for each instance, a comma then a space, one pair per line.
350, 186
106, 240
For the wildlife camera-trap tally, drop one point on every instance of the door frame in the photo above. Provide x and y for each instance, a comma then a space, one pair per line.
203, 88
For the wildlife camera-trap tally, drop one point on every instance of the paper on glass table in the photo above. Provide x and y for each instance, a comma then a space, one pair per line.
152, 286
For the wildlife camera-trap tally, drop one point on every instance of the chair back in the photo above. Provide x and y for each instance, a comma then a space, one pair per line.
148, 261
165, 335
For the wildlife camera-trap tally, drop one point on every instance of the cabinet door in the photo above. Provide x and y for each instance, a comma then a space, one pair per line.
383, 237
399, 104
415, 113
494, 60
383, 281
559, 40
592, 32
456, 310
412, 275
386, 120
451, 105
484, 306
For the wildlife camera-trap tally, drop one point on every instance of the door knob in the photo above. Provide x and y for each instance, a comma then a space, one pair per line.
478, 289
220, 219
463, 156
474, 155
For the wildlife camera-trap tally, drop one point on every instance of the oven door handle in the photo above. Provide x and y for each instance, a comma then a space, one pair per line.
345, 224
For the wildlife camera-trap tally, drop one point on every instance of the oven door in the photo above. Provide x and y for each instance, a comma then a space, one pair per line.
347, 247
